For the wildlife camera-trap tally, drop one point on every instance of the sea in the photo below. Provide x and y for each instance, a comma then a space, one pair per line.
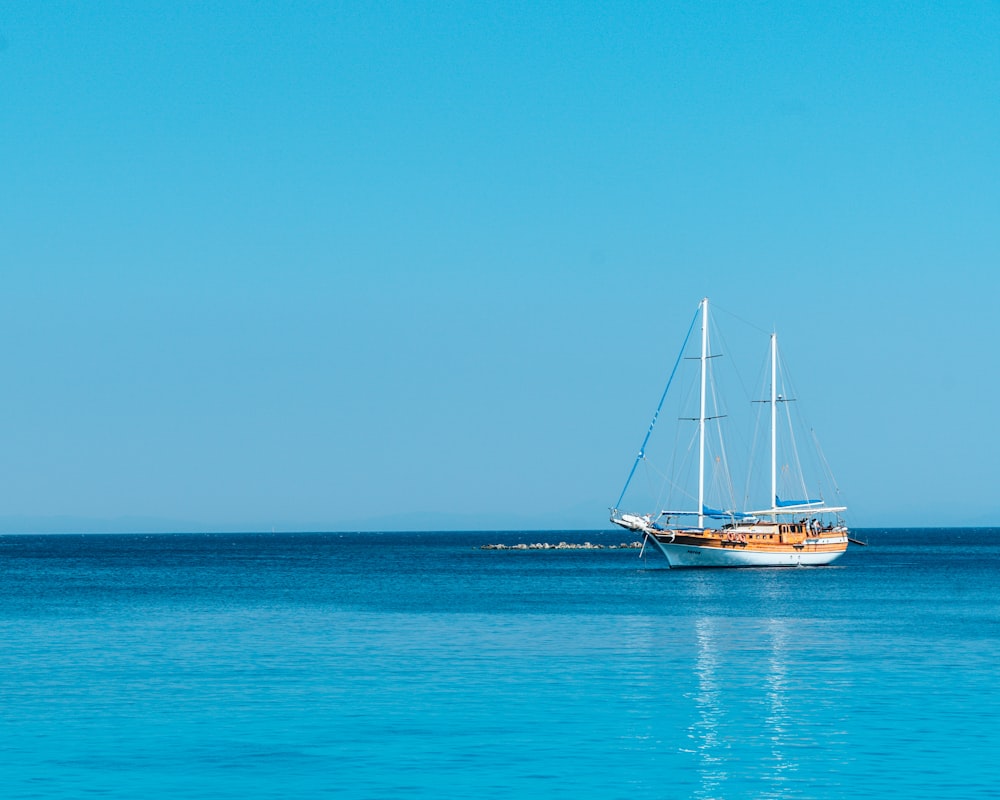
418, 665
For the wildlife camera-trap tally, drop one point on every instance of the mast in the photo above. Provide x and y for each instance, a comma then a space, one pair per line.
774, 420
701, 417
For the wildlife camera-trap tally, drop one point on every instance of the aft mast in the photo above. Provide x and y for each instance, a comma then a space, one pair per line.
701, 418
774, 422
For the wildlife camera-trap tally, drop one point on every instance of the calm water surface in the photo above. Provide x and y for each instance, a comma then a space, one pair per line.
418, 665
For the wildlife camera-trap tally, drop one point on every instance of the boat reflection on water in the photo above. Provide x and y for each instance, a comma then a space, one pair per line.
740, 693
741, 729
776, 723
706, 730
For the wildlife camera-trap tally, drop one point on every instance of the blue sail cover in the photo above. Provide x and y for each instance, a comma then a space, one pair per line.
719, 514
779, 503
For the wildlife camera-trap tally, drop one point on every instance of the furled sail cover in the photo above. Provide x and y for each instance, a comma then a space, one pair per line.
779, 503
718, 514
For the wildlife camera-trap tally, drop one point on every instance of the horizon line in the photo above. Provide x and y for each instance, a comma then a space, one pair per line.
403, 531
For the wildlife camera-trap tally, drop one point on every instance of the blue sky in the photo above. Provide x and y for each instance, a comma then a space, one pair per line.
329, 265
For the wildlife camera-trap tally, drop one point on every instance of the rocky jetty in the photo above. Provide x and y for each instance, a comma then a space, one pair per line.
563, 546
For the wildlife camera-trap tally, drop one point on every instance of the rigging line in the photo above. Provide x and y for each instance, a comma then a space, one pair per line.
752, 460
673, 485
726, 476
734, 368
670, 483
826, 464
789, 389
666, 487
717, 307
647, 469
795, 454
642, 450
665, 480
759, 417
804, 424
683, 454
727, 473
791, 439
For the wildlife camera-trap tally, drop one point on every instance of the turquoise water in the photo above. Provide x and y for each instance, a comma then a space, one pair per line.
419, 666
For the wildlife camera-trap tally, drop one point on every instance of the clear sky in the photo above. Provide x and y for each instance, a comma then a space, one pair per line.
349, 265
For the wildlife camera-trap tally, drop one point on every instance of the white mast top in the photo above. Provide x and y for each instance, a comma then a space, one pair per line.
701, 417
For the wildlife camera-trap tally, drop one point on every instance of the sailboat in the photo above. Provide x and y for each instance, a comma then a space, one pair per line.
807, 532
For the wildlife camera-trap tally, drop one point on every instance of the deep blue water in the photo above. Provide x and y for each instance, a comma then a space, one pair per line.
419, 666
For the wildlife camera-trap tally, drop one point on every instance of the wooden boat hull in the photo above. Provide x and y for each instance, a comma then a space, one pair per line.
712, 549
